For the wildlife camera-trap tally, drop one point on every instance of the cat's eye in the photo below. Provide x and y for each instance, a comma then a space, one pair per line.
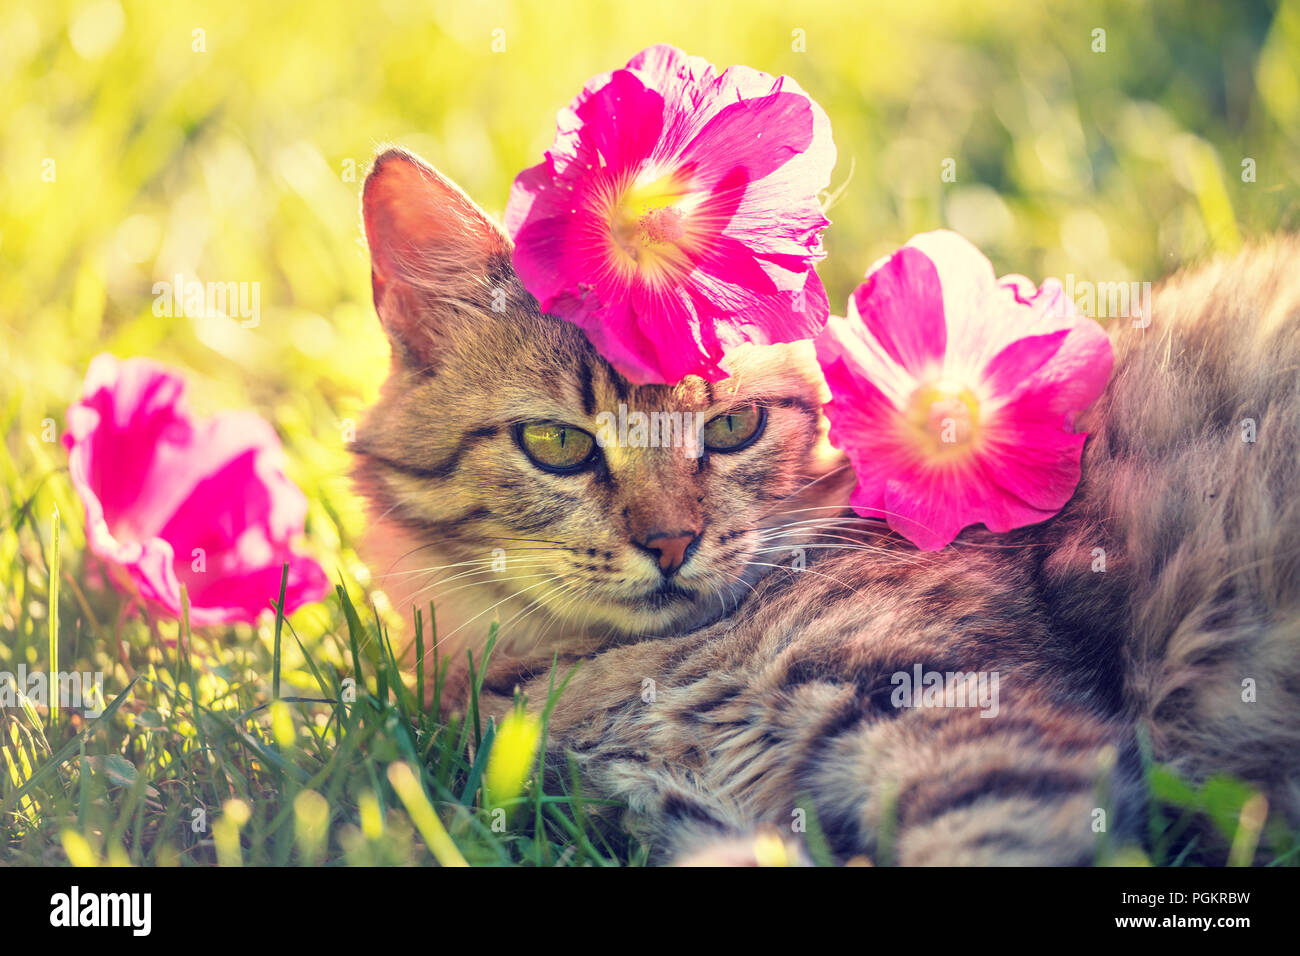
736, 429
555, 447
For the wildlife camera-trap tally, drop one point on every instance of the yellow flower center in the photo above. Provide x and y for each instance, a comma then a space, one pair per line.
666, 224
944, 417
650, 225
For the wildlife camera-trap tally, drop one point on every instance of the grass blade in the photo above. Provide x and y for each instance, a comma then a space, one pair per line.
411, 793
54, 621
279, 626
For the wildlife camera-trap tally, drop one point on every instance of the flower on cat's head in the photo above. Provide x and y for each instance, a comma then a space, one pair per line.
954, 393
676, 214
173, 500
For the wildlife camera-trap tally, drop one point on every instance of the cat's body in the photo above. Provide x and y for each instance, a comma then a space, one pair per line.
761, 677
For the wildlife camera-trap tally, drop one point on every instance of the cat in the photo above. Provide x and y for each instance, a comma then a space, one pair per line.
744, 642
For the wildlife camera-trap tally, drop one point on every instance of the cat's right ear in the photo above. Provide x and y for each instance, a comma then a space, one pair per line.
431, 253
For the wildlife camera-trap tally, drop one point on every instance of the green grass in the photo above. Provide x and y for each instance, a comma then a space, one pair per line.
123, 164
251, 750
257, 752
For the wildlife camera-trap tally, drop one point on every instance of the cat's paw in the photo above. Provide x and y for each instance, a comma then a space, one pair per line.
763, 847
497, 688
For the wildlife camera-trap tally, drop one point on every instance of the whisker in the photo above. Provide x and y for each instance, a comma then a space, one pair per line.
795, 511
502, 537
516, 594
878, 513
786, 567
858, 534
805, 487
568, 591
530, 607
473, 584
477, 562
789, 539
894, 556
426, 586
847, 523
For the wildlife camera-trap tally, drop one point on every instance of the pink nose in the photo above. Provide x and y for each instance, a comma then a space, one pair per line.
670, 550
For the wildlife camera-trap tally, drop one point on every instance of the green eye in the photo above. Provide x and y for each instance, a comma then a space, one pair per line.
736, 429
555, 447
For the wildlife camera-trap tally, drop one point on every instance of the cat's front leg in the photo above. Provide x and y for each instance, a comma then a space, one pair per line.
1035, 785
600, 724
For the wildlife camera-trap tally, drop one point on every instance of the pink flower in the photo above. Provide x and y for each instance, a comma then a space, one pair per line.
676, 214
171, 500
954, 393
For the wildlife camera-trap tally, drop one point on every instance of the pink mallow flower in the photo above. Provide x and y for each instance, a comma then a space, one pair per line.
173, 500
676, 214
954, 393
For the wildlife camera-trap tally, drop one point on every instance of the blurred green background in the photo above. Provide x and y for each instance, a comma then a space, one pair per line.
227, 142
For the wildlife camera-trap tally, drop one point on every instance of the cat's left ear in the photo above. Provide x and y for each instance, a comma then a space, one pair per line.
431, 251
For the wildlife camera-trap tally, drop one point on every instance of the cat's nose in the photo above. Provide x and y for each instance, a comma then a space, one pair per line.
671, 550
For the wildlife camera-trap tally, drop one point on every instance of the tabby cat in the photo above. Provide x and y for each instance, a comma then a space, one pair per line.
739, 634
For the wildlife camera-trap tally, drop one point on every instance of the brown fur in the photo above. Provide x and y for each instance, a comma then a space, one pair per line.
769, 692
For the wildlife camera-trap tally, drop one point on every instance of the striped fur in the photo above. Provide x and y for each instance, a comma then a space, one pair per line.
766, 698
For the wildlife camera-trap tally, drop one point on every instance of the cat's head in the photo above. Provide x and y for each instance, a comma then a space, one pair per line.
515, 475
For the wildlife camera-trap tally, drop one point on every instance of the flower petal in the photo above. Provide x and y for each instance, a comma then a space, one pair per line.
1021, 362
1011, 367
755, 136
901, 303
171, 500
676, 216
1076, 376
1032, 456
931, 512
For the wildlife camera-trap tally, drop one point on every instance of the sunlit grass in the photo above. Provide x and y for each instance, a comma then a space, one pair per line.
225, 751
197, 761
